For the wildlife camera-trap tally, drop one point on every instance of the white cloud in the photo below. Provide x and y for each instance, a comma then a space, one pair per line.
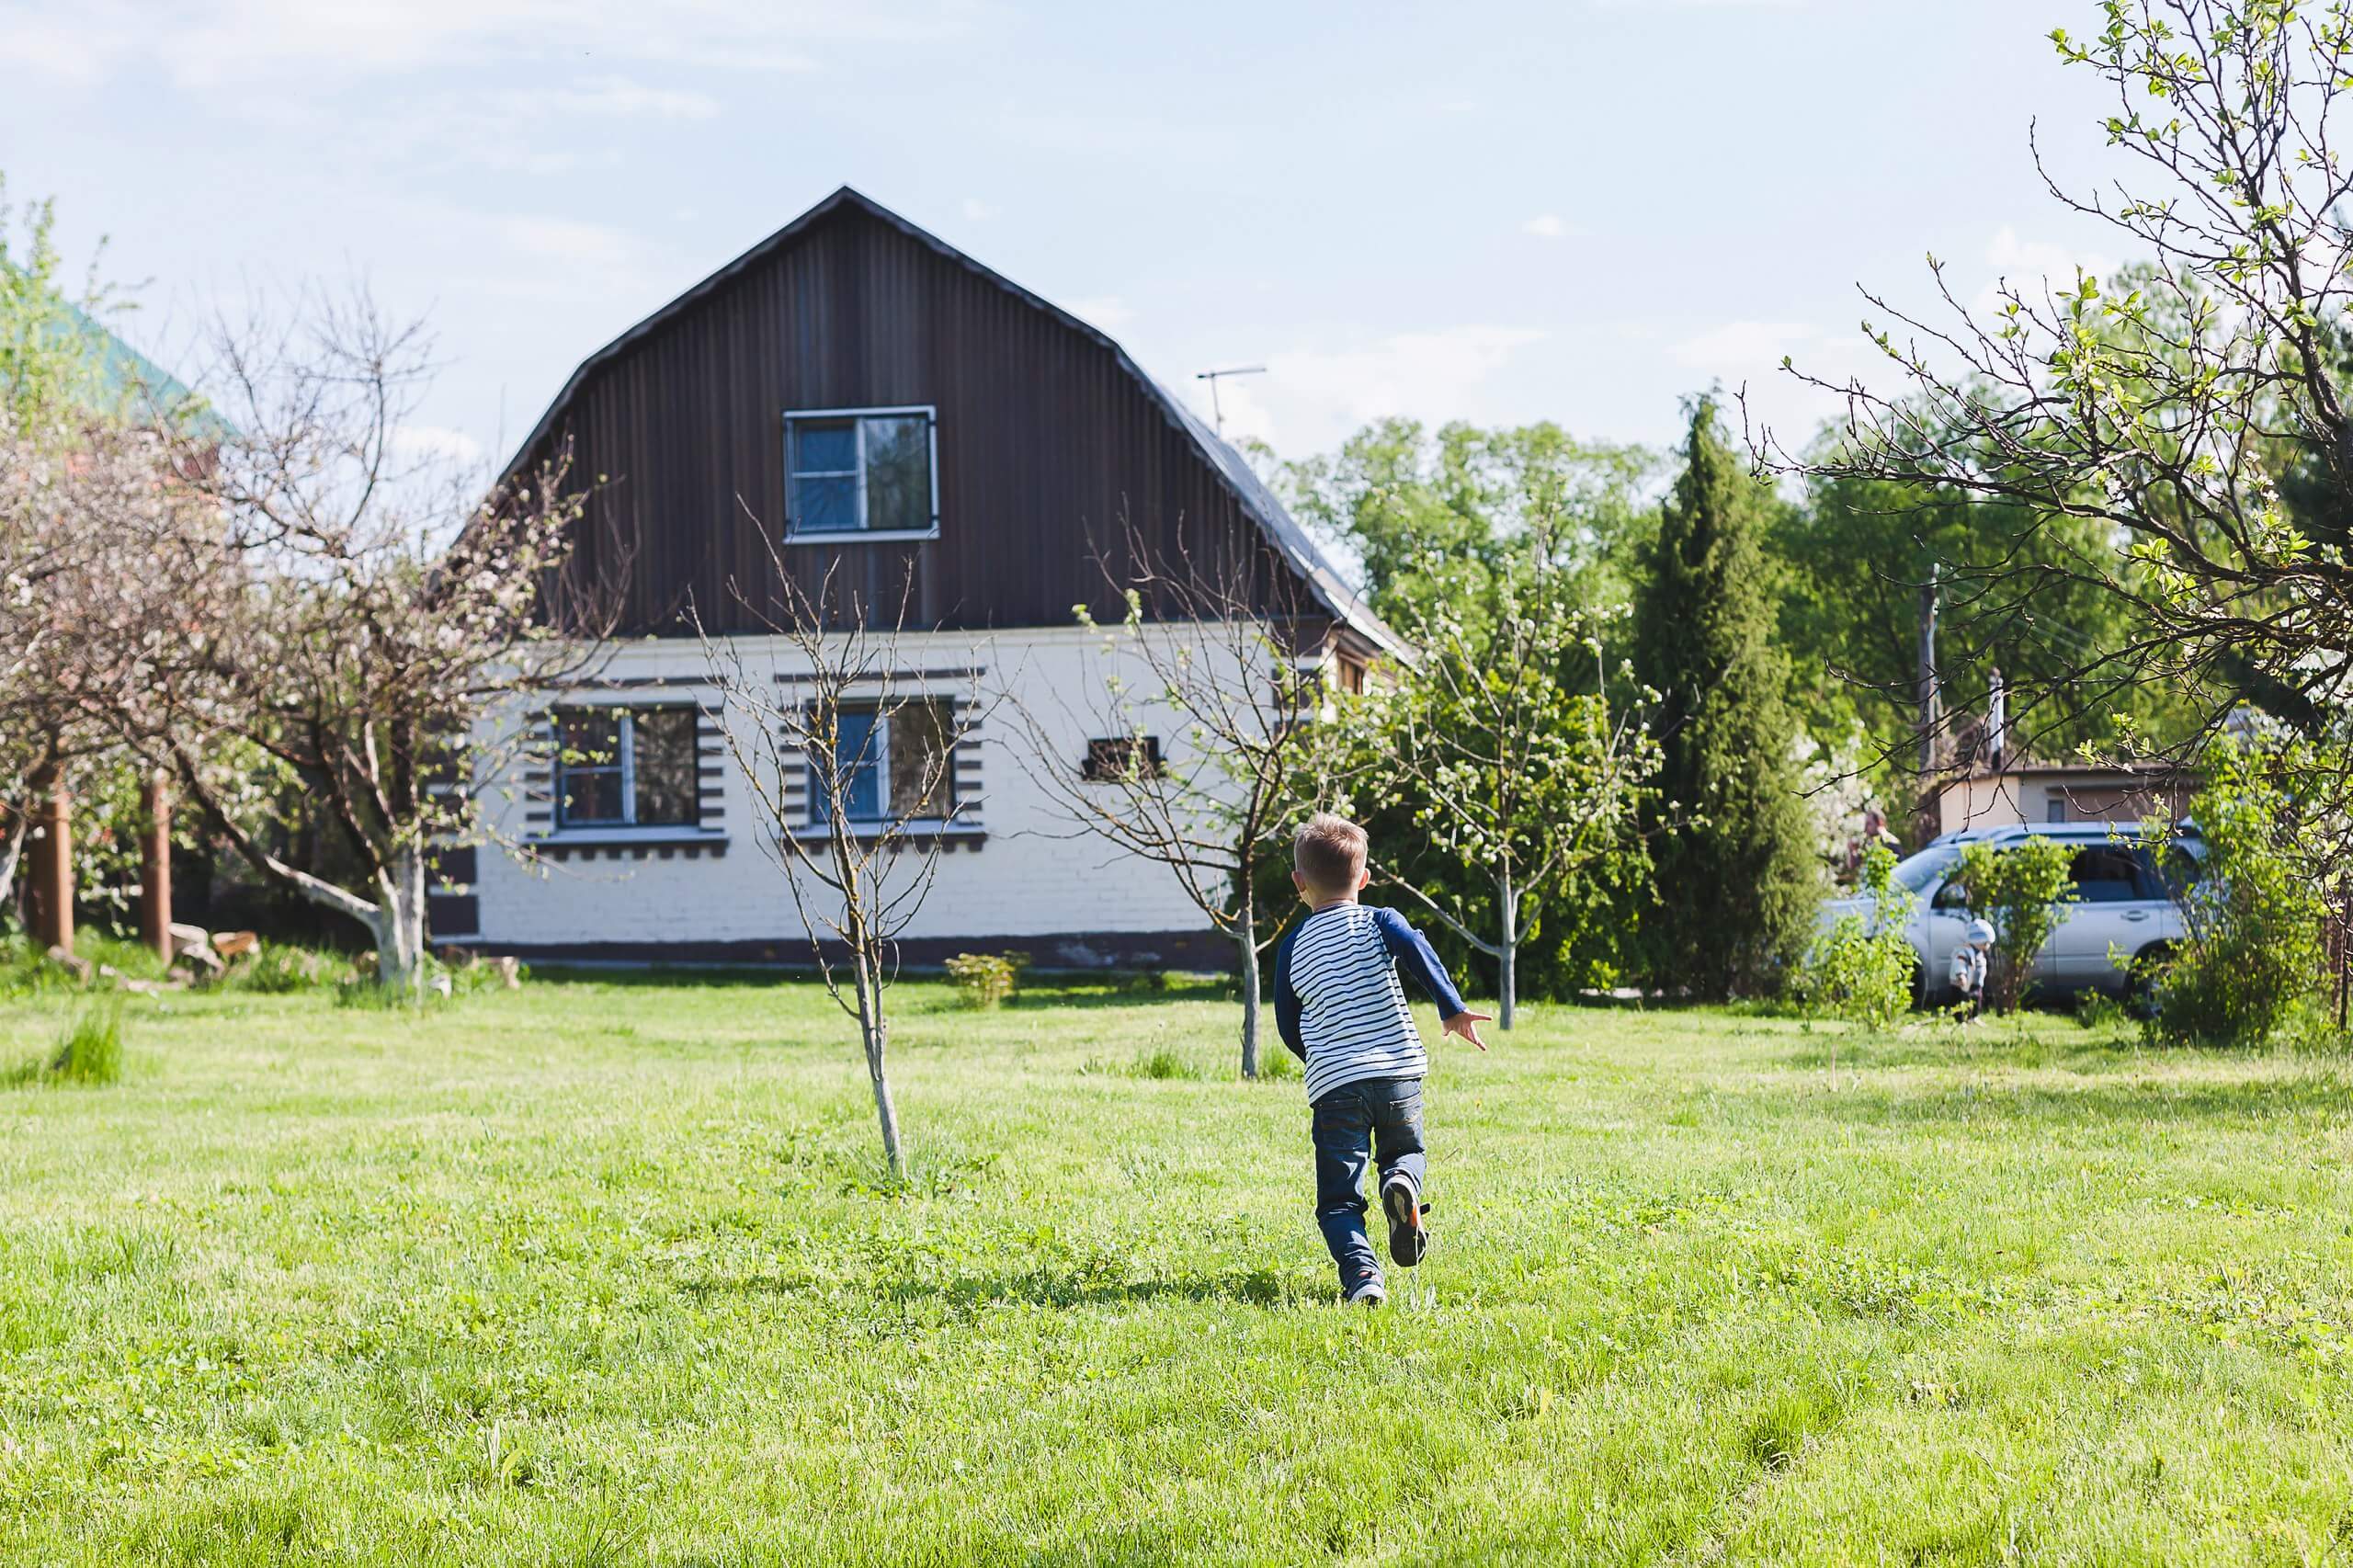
1545, 226
1309, 398
1106, 311
1741, 346
208, 41
436, 441
620, 96
2027, 265
977, 210
545, 258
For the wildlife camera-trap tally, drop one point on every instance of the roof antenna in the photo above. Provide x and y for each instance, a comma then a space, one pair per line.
1211, 377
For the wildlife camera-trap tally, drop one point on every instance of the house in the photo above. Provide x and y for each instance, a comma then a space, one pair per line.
2028, 791
862, 398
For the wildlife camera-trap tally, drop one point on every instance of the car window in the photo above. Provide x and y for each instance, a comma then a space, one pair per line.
2106, 873
2167, 871
1952, 895
1916, 872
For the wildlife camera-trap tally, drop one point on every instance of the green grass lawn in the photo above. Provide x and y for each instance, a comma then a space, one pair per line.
604, 1273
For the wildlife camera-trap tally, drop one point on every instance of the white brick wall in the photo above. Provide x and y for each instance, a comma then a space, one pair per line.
1030, 877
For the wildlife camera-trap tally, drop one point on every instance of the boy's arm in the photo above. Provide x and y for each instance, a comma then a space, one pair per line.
1412, 952
1287, 999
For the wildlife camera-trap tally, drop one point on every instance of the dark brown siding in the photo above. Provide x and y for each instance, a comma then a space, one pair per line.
1048, 446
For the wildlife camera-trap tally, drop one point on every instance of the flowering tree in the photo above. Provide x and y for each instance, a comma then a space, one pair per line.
1519, 765
111, 568
389, 633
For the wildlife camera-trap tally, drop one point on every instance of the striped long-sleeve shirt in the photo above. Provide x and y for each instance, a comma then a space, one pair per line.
1339, 1002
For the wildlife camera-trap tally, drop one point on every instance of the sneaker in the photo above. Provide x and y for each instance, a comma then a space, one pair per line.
1401, 1201
1371, 1293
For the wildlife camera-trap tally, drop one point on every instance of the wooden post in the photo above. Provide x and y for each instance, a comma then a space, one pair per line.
155, 867
51, 886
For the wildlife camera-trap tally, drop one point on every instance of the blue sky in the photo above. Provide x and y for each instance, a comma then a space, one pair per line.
1577, 210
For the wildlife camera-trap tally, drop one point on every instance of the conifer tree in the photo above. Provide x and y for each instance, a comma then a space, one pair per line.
1736, 874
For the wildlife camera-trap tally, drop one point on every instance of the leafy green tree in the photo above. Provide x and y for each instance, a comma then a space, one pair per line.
1435, 519
2019, 890
1521, 763
2164, 410
50, 359
1736, 880
1861, 969
2252, 947
1853, 559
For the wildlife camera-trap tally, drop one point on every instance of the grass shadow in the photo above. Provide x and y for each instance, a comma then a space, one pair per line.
2099, 1100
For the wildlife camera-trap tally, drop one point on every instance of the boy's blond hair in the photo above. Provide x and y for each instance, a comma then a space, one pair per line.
1329, 854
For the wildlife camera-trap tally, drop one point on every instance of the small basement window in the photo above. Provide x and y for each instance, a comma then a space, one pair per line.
863, 472
627, 767
1122, 756
900, 765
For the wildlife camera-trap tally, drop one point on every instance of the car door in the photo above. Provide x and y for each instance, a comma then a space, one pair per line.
2106, 901
1942, 925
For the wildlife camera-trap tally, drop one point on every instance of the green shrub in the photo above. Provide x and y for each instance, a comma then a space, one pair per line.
2019, 890
2251, 950
1164, 1064
280, 971
89, 1051
1861, 969
1277, 1065
982, 980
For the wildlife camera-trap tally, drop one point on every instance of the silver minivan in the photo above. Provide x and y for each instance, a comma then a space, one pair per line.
2122, 902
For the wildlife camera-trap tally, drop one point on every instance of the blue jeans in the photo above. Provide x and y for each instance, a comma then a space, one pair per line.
1351, 1124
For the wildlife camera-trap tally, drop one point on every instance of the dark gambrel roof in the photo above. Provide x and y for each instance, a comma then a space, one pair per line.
1250, 493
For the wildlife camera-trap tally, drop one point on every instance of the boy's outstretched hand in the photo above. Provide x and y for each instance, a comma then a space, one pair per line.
1467, 1025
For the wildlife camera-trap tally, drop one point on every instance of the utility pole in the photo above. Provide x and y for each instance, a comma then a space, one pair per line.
1217, 410
1928, 821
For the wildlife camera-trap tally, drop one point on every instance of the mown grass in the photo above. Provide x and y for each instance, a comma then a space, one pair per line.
604, 1271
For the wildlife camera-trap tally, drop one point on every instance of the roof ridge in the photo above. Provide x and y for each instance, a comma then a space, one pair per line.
1255, 499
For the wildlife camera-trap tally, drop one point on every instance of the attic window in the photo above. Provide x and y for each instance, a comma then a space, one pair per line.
861, 473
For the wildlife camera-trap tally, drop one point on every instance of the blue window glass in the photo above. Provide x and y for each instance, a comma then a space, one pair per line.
826, 504
859, 747
825, 449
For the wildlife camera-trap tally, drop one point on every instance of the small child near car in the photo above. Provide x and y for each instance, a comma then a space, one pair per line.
1343, 1013
1969, 967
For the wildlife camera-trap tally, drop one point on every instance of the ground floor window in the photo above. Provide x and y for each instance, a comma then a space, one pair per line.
1116, 757
901, 764
625, 768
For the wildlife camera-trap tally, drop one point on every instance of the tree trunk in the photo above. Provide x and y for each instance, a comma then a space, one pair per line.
12, 851
1246, 932
875, 1033
1507, 952
399, 925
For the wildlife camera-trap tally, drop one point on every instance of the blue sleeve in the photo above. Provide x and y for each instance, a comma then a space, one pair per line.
1287, 999
1416, 960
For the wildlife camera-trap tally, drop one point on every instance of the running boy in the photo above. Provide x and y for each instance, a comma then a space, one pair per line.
1343, 1013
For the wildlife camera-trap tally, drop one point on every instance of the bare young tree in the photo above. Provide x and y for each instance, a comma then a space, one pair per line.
2197, 408
390, 631
1221, 655
851, 761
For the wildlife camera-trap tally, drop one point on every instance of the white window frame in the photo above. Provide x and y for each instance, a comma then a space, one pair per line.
792, 532
626, 761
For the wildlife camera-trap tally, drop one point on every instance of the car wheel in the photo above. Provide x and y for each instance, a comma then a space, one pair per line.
2141, 989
